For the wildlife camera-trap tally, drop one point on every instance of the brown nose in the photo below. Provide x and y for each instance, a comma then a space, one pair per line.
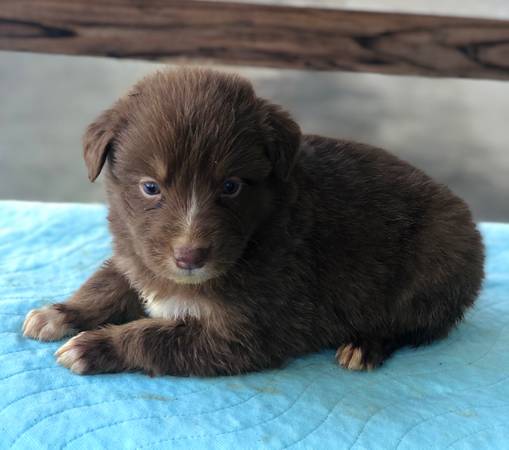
191, 258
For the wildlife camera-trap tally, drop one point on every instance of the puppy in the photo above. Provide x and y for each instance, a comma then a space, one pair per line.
240, 243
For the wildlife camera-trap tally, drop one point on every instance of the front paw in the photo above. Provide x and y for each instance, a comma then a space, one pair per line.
46, 324
90, 352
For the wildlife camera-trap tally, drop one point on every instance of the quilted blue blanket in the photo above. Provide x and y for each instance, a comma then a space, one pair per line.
453, 394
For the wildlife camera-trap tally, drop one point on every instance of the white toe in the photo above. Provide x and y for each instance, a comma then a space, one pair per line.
46, 324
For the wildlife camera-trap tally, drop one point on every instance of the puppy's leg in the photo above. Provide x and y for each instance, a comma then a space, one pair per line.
106, 297
364, 355
160, 347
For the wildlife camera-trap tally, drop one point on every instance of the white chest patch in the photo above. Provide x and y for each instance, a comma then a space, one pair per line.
175, 307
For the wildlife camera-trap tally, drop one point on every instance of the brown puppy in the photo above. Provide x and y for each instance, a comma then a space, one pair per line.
239, 243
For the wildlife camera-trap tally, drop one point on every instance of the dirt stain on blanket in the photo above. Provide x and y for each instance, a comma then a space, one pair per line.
160, 398
267, 389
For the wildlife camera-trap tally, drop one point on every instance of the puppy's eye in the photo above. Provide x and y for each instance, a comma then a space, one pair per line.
231, 187
150, 188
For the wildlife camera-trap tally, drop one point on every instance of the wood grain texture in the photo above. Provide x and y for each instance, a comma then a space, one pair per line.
259, 35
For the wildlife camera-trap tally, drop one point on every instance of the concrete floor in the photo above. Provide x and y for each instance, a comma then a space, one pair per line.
456, 130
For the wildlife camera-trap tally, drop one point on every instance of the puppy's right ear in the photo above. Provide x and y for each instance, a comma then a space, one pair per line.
97, 141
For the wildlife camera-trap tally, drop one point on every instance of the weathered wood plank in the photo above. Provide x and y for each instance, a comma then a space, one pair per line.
260, 35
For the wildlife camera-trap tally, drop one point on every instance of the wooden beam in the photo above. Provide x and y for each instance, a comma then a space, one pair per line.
259, 35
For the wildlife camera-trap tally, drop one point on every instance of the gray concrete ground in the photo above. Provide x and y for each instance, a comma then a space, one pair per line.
456, 130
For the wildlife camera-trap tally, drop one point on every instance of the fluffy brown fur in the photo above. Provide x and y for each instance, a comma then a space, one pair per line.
328, 243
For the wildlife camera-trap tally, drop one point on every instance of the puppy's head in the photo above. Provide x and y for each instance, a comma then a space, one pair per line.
195, 162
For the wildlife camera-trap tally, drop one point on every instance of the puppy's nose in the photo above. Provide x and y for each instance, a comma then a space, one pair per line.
191, 258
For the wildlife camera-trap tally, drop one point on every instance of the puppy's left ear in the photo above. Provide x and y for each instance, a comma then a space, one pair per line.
282, 137
98, 140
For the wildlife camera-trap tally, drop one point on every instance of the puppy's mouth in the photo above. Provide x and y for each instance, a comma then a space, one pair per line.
192, 276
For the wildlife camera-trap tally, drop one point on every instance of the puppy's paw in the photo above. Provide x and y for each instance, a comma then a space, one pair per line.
46, 324
365, 356
89, 352
352, 358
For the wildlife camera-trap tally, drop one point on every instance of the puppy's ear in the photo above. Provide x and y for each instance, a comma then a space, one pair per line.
97, 141
282, 137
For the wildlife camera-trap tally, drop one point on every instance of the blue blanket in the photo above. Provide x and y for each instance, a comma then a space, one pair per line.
454, 393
